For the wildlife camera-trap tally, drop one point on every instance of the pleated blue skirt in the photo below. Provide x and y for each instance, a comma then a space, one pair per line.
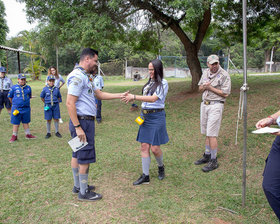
153, 130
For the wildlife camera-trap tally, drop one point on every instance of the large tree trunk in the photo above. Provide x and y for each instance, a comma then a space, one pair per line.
195, 68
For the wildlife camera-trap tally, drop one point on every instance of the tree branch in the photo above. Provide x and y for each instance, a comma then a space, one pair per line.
203, 27
165, 20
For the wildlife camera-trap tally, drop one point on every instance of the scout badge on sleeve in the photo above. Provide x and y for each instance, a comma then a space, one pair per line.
139, 120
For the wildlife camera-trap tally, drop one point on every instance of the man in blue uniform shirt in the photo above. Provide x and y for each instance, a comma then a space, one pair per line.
81, 107
20, 95
5, 85
99, 83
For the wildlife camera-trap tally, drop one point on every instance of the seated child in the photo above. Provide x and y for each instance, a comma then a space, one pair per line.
51, 97
20, 95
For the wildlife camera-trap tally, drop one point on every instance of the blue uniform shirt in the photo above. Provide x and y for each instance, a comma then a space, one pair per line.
20, 96
79, 85
5, 83
98, 82
161, 93
50, 94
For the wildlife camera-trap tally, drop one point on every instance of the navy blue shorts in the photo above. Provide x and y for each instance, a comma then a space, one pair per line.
153, 130
85, 155
4, 100
271, 177
53, 112
23, 116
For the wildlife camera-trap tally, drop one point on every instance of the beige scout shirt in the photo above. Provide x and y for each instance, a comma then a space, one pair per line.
220, 81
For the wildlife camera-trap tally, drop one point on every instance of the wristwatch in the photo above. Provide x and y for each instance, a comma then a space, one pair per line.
77, 126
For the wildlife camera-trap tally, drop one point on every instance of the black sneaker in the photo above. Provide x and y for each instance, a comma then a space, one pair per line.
143, 179
213, 164
204, 159
89, 196
57, 134
161, 174
48, 135
76, 190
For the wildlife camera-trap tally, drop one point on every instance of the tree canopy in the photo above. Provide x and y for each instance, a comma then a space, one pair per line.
3, 28
137, 23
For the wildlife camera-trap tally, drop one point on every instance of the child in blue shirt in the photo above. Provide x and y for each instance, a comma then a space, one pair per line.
20, 95
51, 97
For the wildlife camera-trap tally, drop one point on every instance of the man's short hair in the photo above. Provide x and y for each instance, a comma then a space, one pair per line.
88, 52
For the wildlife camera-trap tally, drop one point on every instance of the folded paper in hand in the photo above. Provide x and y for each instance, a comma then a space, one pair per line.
266, 130
76, 144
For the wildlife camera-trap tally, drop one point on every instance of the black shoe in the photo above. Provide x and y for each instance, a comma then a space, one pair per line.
204, 159
213, 164
89, 196
48, 135
143, 179
76, 190
57, 134
161, 173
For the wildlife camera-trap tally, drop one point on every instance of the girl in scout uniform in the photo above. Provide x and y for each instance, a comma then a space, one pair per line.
51, 97
20, 95
152, 133
5, 85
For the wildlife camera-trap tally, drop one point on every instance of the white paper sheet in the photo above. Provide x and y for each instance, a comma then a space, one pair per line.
266, 130
76, 144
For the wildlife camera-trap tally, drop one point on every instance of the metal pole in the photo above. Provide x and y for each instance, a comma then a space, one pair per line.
271, 57
228, 60
18, 58
56, 51
244, 7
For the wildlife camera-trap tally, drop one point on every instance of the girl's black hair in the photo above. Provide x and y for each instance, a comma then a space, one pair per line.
158, 76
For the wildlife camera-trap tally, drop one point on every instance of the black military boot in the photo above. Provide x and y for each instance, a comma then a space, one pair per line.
161, 173
204, 159
143, 179
213, 164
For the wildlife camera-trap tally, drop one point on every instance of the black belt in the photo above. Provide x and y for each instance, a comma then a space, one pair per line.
86, 117
144, 111
206, 102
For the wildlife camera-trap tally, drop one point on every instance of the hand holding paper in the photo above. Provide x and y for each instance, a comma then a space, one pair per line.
76, 144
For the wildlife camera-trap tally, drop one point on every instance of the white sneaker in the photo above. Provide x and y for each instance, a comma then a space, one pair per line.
60, 121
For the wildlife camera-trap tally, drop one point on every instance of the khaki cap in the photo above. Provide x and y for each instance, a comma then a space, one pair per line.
212, 59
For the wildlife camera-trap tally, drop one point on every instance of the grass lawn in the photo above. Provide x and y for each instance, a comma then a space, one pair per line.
36, 178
